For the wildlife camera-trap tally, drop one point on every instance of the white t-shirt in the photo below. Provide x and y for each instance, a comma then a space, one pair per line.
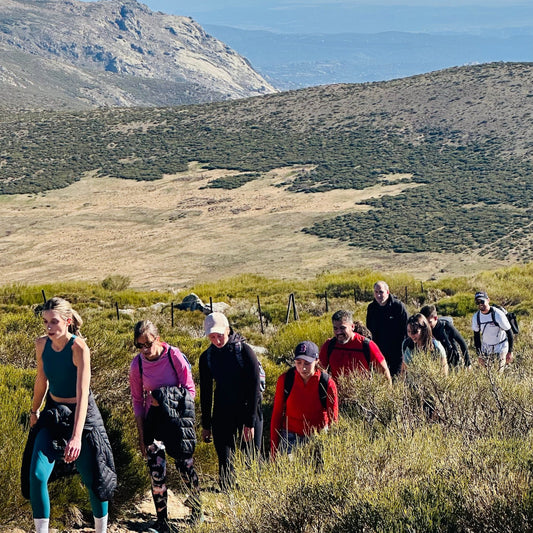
493, 336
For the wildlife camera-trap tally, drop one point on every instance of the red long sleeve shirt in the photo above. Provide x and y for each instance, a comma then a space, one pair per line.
302, 413
349, 357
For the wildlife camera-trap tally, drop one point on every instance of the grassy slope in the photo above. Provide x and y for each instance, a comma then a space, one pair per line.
469, 470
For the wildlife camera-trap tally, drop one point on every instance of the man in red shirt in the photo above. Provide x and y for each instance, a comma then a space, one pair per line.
349, 351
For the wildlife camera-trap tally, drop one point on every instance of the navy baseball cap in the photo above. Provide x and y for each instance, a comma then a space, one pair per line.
306, 350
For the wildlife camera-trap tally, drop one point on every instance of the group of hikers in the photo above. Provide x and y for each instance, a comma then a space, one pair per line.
69, 430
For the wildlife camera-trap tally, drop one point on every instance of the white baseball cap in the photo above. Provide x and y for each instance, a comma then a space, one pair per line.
215, 323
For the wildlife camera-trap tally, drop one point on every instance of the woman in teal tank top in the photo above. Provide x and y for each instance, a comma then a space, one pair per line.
63, 379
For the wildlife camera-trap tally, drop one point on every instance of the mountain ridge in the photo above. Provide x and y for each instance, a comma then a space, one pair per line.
306, 59
95, 49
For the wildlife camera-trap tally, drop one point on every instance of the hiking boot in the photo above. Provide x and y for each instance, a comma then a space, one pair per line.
162, 525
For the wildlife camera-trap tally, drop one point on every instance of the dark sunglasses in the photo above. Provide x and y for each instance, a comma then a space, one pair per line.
480, 302
141, 345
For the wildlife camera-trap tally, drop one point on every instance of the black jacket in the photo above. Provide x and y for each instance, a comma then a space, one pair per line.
59, 419
388, 324
237, 393
172, 421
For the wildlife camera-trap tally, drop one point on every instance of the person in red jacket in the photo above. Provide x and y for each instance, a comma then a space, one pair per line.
348, 351
307, 405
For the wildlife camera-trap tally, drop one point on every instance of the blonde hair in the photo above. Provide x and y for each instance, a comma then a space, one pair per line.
64, 308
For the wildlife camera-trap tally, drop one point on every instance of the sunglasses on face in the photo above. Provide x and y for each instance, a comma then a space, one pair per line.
145, 345
480, 302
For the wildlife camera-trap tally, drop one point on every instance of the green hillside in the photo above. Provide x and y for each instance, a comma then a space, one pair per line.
459, 140
386, 466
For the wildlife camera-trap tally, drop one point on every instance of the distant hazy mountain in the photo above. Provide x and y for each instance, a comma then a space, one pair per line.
353, 16
303, 60
61, 53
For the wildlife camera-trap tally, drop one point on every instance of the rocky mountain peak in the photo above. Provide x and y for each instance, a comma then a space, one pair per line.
85, 40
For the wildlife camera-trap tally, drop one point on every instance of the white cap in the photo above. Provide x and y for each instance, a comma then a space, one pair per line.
215, 323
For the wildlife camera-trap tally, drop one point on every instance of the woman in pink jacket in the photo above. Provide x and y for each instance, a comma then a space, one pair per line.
156, 366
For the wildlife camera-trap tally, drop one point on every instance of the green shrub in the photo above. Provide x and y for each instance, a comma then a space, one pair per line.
116, 282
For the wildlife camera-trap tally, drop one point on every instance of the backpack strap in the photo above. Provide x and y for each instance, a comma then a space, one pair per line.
237, 351
322, 386
331, 347
323, 389
492, 316
171, 364
289, 382
366, 349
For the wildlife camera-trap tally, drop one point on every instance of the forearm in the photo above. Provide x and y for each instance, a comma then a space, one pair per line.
139, 421
39, 392
82, 405
384, 369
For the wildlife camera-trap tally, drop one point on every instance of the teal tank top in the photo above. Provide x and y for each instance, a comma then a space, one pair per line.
59, 369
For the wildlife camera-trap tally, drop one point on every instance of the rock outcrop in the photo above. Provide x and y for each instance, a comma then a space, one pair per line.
62, 53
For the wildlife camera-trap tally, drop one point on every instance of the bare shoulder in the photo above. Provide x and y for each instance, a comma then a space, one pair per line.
80, 349
79, 344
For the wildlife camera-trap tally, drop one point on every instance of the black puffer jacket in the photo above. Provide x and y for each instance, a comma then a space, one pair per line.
172, 421
59, 419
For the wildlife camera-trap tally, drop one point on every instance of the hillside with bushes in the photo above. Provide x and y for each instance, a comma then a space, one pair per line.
457, 143
386, 466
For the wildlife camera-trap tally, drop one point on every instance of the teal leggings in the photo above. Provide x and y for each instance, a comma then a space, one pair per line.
42, 464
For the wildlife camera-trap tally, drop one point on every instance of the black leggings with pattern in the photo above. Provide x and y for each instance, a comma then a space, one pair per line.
157, 464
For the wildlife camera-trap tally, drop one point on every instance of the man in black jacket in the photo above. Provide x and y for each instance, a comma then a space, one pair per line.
445, 332
386, 318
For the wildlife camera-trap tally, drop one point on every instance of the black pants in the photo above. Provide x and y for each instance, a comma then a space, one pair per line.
227, 434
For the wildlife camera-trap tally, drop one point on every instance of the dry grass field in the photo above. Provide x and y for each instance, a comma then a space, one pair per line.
172, 233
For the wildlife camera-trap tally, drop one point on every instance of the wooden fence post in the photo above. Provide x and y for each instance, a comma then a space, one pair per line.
288, 309
295, 312
260, 314
116, 307
211, 303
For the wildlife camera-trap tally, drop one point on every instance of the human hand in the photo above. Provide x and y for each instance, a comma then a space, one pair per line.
142, 448
34, 416
206, 435
248, 434
72, 449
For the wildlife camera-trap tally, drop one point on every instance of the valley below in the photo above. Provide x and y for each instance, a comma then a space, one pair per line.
174, 232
